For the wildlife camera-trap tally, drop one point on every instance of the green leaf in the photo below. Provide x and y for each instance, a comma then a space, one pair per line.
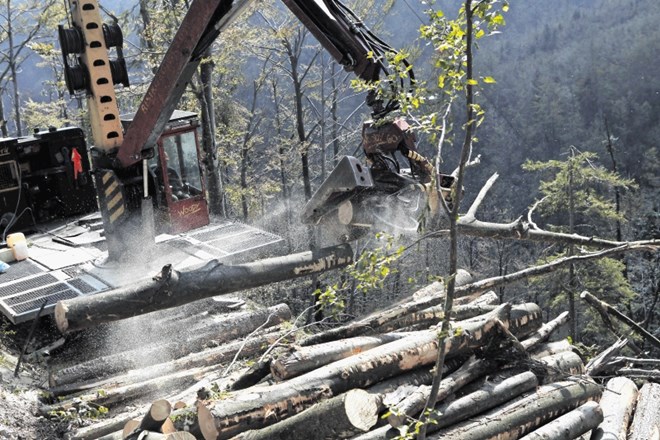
489, 80
472, 82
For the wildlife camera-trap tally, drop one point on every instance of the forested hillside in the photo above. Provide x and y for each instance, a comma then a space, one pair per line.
566, 72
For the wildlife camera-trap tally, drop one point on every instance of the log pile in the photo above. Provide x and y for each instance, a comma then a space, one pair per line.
367, 379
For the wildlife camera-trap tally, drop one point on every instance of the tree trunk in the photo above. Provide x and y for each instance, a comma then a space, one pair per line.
525, 414
173, 288
255, 409
545, 331
549, 348
305, 359
646, 423
571, 425
153, 420
413, 404
146, 389
618, 403
338, 418
231, 328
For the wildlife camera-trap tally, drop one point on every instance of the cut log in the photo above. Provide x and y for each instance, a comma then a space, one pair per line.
305, 359
432, 316
524, 414
129, 427
571, 425
338, 418
545, 331
485, 299
414, 403
146, 435
234, 326
105, 427
153, 420
646, 422
146, 389
258, 408
558, 366
618, 403
550, 348
489, 396
173, 288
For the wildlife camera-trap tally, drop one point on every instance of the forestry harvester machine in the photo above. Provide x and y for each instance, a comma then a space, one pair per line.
146, 168
355, 196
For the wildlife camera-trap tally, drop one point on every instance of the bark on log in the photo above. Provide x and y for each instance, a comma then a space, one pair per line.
338, 418
525, 414
173, 288
257, 408
146, 435
556, 367
414, 403
639, 373
618, 403
144, 389
234, 326
570, 425
646, 422
549, 348
545, 331
488, 396
304, 359
432, 316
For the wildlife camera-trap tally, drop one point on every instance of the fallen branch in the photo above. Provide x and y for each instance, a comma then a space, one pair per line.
604, 309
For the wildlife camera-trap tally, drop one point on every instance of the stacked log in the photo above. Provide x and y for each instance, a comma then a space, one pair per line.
370, 379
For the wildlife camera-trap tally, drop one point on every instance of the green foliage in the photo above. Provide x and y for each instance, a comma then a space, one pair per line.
578, 183
367, 273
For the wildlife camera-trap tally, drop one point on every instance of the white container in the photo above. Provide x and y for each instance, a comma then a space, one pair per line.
17, 243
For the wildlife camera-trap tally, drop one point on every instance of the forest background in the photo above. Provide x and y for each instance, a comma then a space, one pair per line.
569, 77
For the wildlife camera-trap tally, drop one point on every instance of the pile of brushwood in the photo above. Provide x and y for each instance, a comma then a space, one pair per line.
366, 379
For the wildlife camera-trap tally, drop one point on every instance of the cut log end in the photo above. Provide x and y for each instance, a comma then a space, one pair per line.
361, 409
206, 422
61, 310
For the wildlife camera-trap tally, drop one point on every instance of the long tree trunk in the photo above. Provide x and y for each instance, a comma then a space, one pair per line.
229, 329
525, 414
569, 426
618, 403
173, 288
267, 404
306, 359
338, 418
646, 423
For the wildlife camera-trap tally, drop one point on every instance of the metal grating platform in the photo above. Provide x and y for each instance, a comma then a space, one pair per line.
20, 300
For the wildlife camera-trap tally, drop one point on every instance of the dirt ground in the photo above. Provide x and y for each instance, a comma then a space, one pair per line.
19, 396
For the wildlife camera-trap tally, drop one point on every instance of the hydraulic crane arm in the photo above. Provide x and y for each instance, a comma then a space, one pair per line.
339, 31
